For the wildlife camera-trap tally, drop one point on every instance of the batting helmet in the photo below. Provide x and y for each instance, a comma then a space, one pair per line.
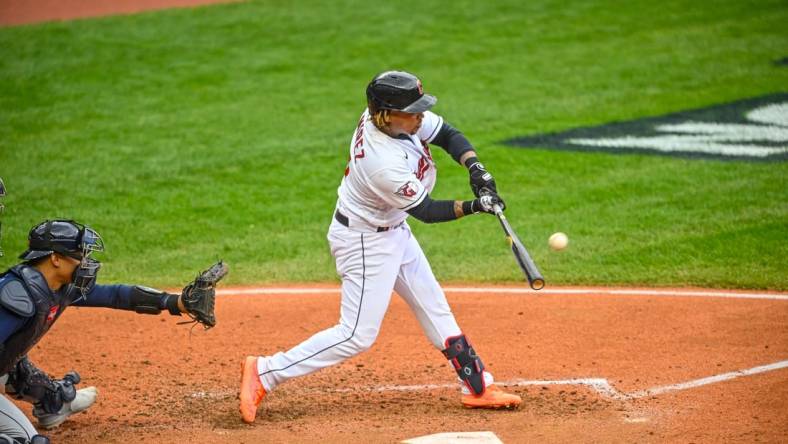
61, 236
400, 91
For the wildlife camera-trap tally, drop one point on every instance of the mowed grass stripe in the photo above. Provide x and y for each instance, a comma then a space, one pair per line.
185, 136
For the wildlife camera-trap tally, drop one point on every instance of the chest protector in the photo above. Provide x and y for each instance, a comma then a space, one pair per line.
48, 306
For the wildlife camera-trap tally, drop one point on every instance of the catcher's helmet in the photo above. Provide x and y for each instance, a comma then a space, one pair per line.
400, 91
62, 236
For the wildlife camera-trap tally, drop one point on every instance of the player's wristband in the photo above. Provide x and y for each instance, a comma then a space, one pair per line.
171, 304
470, 161
467, 207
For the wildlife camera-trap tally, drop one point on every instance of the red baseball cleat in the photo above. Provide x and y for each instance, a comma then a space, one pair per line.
252, 391
492, 398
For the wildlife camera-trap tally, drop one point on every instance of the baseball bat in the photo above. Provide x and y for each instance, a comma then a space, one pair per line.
535, 278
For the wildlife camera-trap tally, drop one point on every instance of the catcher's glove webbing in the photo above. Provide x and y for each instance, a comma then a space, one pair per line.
199, 296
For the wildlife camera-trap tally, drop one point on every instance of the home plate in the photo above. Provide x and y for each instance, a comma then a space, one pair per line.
456, 438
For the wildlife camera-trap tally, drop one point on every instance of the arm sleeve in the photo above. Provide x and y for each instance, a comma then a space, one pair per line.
110, 296
452, 141
9, 324
431, 211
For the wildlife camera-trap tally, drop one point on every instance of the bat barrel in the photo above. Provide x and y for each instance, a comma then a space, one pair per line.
532, 274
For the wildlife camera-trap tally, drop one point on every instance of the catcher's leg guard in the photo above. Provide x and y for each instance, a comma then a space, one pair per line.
469, 367
30, 383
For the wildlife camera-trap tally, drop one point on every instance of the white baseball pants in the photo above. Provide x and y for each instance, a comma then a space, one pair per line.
371, 264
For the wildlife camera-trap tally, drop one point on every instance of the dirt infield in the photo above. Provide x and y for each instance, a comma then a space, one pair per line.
18, 12
583, 361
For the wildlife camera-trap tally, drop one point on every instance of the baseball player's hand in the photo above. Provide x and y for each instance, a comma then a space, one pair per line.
486, 203
481, 179
199, 296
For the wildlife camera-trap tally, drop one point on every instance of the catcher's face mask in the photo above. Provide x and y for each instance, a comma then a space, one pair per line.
84, 277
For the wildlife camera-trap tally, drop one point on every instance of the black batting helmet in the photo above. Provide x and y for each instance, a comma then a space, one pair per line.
400, 91
61, 236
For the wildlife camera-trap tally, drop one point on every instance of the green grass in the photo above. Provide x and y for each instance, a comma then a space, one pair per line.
184, 136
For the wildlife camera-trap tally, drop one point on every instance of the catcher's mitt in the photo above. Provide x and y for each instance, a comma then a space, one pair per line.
199, 296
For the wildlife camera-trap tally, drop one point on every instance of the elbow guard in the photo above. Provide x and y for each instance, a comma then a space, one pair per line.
147, 300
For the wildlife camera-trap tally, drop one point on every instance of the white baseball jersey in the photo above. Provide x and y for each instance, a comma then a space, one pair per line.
385, 176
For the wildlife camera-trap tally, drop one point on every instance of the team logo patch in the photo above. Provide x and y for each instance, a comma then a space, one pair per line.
752, 129
421, 88
407, 190
52, 313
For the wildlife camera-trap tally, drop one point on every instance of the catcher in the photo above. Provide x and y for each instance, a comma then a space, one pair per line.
58, 270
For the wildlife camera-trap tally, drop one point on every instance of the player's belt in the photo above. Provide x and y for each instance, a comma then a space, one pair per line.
341, 218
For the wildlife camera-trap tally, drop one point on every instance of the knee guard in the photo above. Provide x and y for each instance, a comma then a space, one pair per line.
33, 385
150, 301
469, 367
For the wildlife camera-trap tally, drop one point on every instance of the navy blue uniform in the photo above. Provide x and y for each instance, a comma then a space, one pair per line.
28, 308
110, 296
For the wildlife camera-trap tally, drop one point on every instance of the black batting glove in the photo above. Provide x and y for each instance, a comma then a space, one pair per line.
480, 177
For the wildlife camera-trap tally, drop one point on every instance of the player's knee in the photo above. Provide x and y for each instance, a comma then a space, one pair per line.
363, 339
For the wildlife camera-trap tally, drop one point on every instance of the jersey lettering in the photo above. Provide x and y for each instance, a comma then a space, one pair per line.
424, 162
358, 140
426, 147
424, 166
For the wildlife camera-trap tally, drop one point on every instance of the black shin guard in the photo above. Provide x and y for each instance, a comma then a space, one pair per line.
469, 367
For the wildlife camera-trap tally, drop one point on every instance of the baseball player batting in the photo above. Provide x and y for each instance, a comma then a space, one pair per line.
389, 176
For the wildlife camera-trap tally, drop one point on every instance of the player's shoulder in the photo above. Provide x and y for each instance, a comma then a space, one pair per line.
381, 151
14, 297
430, 126
432, 115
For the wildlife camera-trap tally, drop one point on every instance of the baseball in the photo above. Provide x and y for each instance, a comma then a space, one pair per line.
558, 241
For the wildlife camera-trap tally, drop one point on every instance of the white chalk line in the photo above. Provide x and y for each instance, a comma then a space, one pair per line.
261, 291
708, 380
599, 385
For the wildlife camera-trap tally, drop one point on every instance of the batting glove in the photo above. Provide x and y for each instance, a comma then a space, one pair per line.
486, 203
481, 179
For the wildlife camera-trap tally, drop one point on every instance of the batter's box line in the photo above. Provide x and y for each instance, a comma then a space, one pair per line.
599, 385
